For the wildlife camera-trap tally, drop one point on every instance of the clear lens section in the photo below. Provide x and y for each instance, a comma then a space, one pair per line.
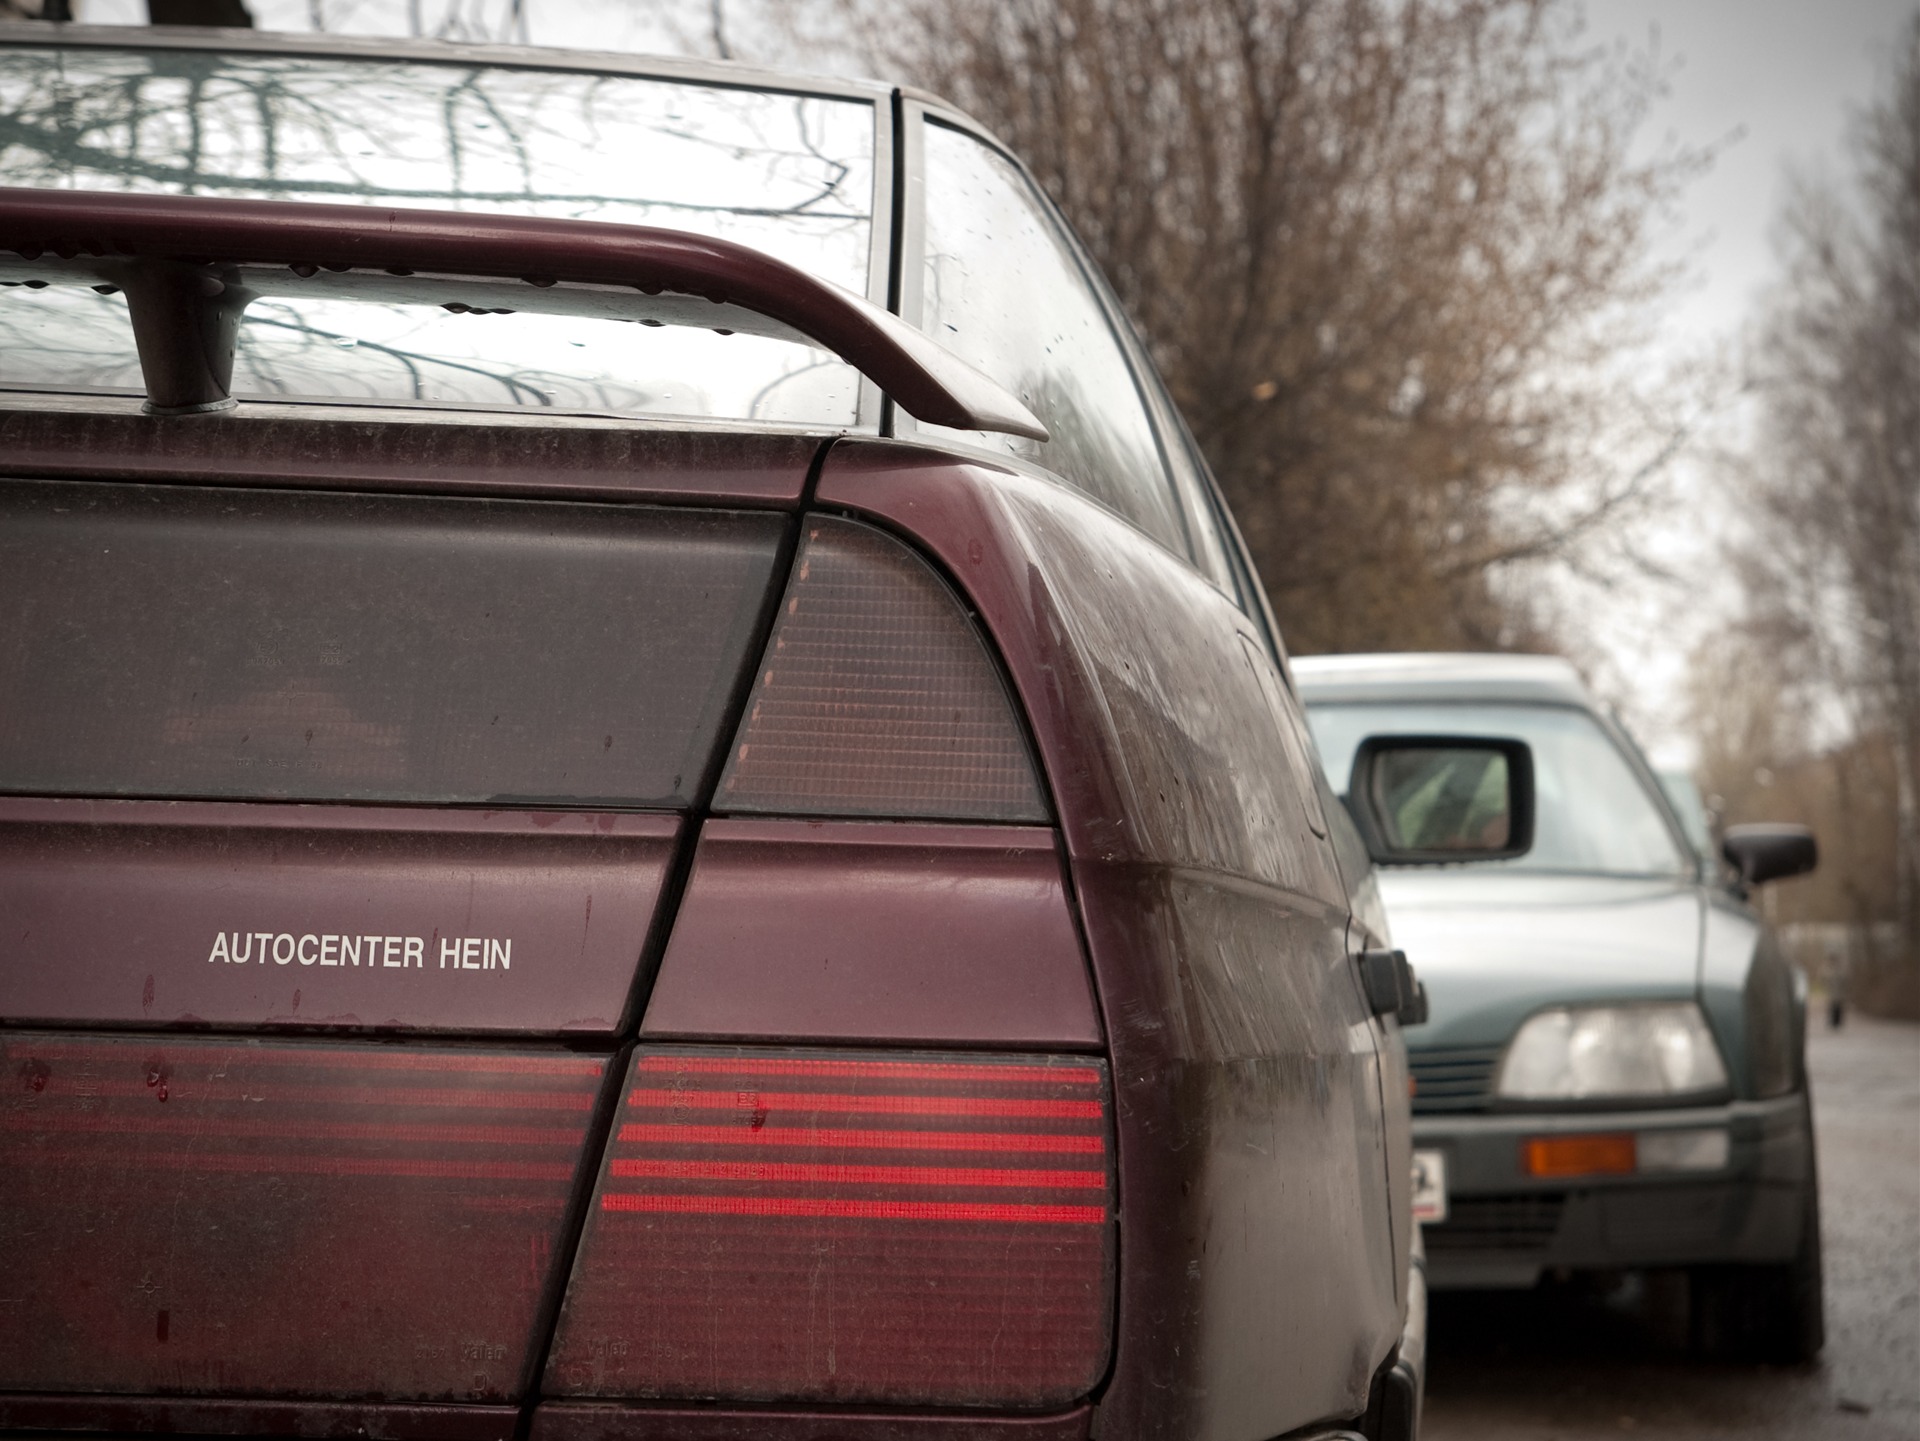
1601, 1051
785, 1225
1706, 1149
877, 697
242, 1218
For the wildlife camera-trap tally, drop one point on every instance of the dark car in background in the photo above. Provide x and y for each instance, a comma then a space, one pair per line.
1611, 1076
598, 836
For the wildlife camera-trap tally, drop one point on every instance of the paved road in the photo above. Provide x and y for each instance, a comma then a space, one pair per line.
1565, 1367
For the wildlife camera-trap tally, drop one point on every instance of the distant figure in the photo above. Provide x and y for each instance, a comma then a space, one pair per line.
1836, 989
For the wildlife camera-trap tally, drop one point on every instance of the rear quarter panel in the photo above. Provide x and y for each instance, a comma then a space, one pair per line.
1257, 1271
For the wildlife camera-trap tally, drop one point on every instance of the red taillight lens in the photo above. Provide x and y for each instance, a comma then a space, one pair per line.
235, 1218
785, 1225
877, 697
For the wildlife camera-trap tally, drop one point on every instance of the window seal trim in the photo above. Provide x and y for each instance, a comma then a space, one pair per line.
918, 113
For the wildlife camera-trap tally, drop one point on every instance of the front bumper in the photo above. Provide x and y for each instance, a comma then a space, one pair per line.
1504, 1227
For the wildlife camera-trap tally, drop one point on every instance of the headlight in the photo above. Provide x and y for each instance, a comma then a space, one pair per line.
1575, 1053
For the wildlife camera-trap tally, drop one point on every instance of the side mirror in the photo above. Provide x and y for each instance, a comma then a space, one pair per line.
1439, 799
1770, 852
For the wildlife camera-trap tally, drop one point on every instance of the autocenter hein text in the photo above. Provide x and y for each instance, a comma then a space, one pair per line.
455, 953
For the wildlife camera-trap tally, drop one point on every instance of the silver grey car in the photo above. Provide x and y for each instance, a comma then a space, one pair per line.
1611, 1074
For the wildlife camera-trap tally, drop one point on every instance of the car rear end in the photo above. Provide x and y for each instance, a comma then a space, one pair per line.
464, 948
513, 925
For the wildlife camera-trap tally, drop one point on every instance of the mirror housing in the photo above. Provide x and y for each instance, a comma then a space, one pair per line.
1770, 851
1442, 799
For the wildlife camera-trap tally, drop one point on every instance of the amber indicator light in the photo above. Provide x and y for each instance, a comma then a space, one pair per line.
1605, 1154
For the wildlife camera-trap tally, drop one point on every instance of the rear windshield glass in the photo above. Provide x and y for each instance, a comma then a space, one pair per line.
178, 642
1592, 812
790, 175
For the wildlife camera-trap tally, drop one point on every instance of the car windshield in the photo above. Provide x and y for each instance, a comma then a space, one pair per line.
1593, 814
1683, 795
792, 175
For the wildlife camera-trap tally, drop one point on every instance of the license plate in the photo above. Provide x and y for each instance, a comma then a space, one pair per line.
1430, 1186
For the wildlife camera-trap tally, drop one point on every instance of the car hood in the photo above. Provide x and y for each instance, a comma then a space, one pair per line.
1494, 947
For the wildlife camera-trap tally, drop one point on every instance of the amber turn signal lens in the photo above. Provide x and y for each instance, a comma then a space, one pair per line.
1610, 1154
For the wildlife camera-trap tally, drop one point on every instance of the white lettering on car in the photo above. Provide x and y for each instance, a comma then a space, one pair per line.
457, 953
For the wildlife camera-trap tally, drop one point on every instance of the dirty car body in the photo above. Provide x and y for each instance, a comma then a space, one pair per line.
597, 836
1681, 1135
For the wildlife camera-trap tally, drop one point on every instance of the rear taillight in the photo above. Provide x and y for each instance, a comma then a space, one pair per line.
235, 1218
827, 1226
877, 697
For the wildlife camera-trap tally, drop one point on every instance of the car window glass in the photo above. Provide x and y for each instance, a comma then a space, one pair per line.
1683, 795
1003, 290
1592, 813
1210, 543
790, 175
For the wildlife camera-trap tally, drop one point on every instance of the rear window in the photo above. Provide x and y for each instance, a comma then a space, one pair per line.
792, 175
170, 641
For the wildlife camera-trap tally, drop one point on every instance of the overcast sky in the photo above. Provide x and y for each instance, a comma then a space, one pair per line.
1781, 76
1772, 84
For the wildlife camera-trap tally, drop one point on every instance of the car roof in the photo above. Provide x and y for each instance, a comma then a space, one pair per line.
1441, 676
698, 70
731, 73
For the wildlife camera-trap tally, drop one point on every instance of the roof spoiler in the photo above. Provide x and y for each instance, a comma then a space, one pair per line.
190, 264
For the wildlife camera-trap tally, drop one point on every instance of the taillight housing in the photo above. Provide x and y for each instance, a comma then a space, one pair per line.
905, 1229
877, 697
231, 1217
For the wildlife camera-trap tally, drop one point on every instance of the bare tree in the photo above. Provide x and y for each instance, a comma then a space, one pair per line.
1833, 569
1382, 250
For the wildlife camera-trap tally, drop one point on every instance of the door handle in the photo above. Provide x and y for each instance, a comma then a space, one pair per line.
1391, 986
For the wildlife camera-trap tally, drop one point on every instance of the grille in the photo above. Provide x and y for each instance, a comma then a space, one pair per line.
1498, 1223
1456, 1080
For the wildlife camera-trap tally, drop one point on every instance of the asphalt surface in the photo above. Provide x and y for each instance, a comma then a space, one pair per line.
1566, 1365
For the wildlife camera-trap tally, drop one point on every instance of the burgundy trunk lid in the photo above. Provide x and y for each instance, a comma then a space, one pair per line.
335, 824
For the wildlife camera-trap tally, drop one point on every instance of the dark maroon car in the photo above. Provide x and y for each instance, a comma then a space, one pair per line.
643, 790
